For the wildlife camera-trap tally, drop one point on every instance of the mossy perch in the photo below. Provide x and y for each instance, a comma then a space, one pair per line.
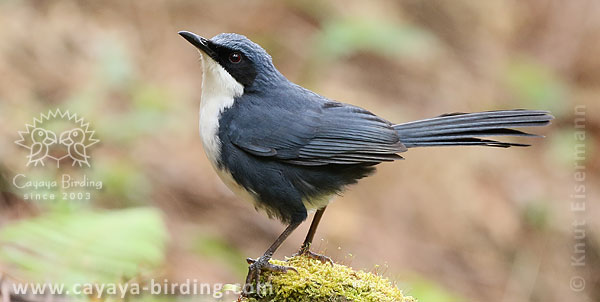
316, 282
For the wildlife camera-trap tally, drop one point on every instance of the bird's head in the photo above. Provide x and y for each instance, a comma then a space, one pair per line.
72, 136
40, 135
235, 61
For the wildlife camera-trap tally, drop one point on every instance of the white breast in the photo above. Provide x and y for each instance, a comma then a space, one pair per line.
219, 89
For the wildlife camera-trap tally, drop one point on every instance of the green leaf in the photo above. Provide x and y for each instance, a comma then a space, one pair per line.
83, 246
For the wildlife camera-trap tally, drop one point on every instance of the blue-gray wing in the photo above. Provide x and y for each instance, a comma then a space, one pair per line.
314, 133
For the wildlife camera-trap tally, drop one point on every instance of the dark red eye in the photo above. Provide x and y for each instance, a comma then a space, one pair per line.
235, 57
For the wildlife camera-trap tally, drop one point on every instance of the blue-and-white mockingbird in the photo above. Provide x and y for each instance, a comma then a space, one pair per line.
288, 150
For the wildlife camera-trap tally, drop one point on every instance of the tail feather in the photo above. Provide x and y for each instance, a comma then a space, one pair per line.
465, 129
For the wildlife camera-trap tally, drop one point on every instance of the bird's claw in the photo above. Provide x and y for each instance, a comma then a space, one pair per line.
257, 266
307, 253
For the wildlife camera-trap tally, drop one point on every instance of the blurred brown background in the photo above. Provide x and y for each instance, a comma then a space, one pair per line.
447, 224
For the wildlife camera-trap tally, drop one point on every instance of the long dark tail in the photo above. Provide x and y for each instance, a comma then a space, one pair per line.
465, 129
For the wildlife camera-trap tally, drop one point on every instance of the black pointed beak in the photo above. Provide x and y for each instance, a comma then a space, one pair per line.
201, 43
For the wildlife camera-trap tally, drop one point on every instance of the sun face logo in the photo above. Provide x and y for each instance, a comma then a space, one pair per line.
43, 143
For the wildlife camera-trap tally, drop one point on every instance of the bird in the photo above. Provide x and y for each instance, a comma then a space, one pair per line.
289, 150
41, 140
74, 140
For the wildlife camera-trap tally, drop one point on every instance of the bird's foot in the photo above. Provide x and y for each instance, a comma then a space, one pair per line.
304, 251
257, 266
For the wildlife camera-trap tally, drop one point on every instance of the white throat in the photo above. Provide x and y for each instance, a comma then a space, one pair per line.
219, 89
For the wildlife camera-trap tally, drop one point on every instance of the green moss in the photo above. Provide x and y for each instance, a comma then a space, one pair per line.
316, 282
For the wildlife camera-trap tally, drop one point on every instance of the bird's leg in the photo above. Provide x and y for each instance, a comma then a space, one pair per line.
304, 249
262, 264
